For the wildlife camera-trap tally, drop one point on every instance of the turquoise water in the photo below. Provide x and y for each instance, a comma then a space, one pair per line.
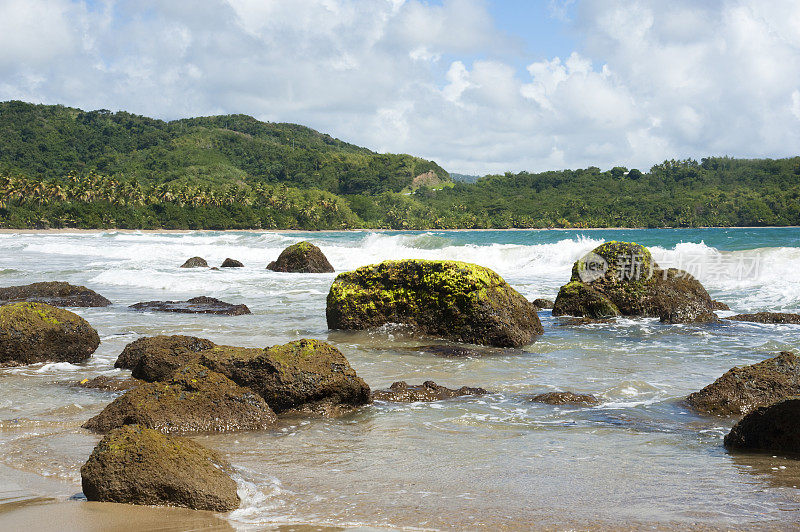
640, 458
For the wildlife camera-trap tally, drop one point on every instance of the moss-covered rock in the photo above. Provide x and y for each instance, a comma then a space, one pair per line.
774, 428
136, 465
625, 274
108, 383
401, 392
37, 332
768, 317
194, 399
195, 262
543, 303
743, 389
290, 376
155, 358
565, 398
56, 293
450, 299
303, 257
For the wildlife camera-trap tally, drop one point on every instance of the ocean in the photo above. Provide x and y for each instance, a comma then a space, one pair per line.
640, 459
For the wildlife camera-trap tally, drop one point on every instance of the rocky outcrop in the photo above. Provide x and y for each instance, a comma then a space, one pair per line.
136, 465
401, 392
543, 303
622, 279
565, 398
194, 399
742, 390
231, 263
155, 358
719, 305
454, 300
196, 305
37, 332
298, 374
768, 317
303, 257
774, 428
56, 293
109, 384
195, 262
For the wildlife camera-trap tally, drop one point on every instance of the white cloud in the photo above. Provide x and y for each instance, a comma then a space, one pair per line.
651, 80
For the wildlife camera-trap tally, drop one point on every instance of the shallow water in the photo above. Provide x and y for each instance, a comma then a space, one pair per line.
639, 459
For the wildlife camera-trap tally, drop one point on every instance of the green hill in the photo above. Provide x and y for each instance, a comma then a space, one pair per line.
53, 141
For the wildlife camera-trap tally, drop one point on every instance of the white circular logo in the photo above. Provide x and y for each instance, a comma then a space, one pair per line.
592, 267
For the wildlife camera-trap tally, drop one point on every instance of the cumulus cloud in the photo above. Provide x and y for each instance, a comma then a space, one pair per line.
648, 80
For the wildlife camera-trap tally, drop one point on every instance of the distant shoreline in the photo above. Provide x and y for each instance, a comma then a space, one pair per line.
4, 231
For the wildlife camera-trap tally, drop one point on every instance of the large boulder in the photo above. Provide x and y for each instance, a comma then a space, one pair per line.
742, 390
155, 358
768, 317
774, 428
196, 305
303, 257
401, 392
193, 399
195, 262
56, 293
136, 465
543, 303
303, 373
455, 300
37, 332
621, 278
231, 263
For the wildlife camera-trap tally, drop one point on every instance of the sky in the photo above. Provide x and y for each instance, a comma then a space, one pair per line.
479, 86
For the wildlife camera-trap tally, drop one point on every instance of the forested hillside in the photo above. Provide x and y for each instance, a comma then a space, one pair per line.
62, 167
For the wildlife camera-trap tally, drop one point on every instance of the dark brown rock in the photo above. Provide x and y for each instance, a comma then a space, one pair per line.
194, 399
196, 305
743, 389
401, 392
195, 262
56, 293
37, 332
303, 257
454, 300
136, 465
231, 263
155, 358
768, 317
294, 375
565, 398
719, 305
449, 351
543, 303
774, 428
109, 384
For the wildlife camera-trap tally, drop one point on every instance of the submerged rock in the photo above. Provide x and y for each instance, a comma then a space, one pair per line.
774, 428
56, 293
621, 278
196, 305
303, 257
231, 263
743, 389
565, 398
136, 465
455, 300
768, 317
37, 332
195, 262
109, 384
298, 374
450, 351
428, 391
155, 358
543, 303
193, 399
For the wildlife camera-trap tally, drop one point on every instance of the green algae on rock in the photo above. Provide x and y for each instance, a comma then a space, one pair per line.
136, 465
743, 389
772, 428
451, 299
623, 275
37, 332
155, 358
302, 373
193, 400
303, 257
